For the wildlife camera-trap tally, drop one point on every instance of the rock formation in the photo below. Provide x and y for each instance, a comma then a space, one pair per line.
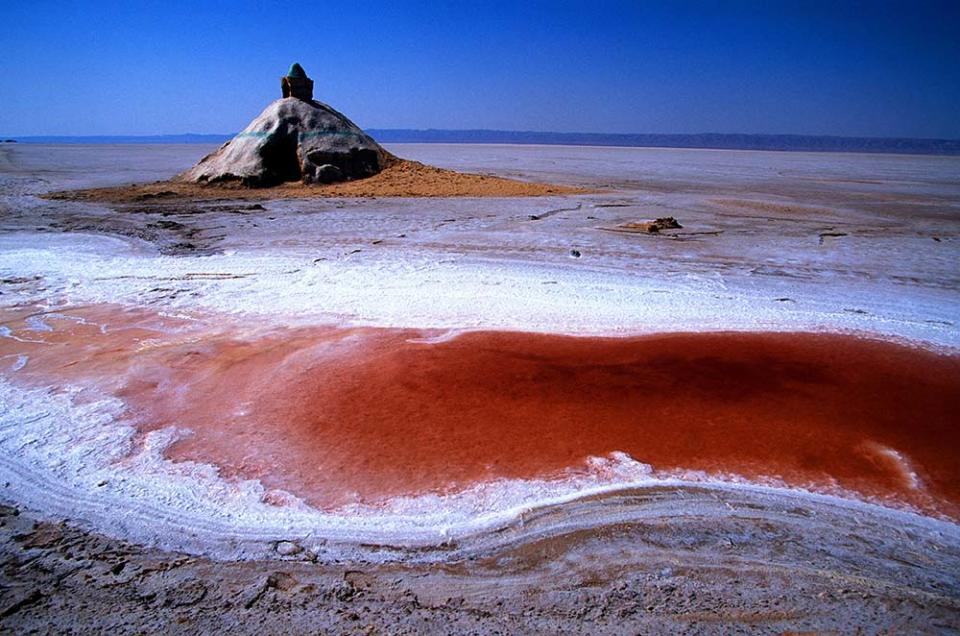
651, 227
294, 139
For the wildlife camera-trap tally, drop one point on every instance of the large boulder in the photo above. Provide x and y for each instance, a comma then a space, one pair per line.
294, 139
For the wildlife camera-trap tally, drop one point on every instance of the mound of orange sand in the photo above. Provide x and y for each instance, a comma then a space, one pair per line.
402, 178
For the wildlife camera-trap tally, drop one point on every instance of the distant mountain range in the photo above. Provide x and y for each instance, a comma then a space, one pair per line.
809, 143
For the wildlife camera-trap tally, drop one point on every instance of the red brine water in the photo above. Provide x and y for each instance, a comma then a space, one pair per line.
345, 415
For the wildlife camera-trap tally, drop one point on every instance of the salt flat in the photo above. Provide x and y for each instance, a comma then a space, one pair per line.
770, 240
860, 244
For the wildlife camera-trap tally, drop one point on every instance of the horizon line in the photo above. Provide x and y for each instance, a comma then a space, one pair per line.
785, 142
500, 131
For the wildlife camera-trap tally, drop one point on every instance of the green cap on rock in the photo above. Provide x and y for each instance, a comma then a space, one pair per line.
296, 71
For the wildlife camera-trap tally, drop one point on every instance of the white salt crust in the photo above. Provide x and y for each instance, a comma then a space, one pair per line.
80, 460
421, 290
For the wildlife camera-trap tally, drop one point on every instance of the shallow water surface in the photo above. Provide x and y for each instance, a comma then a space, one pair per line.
337, 416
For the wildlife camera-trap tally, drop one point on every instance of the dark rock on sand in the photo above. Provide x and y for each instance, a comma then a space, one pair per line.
652, 227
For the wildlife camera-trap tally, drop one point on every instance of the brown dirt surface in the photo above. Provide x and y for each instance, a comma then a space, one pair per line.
772, 207
402, 178
762, 570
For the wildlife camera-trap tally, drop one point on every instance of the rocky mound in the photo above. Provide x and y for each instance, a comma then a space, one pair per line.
299, 147
294, 139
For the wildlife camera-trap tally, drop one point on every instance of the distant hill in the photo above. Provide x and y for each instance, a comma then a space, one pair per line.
808, 143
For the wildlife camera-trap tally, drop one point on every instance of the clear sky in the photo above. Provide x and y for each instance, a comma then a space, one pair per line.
874, 68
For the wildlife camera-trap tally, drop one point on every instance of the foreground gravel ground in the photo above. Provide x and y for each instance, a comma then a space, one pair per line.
741, 564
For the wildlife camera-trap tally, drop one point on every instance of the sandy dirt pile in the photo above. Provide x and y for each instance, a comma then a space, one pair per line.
401, 178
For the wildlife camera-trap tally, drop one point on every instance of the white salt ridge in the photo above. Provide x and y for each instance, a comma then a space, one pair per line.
419, 290
895, 460
446, 336
906, 468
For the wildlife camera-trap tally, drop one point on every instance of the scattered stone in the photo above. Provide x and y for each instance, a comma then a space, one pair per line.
549, 213
288, 548
250, 597
358, 579
829, 235
652, 227
344, 591
281, 581
327, 173
275, 581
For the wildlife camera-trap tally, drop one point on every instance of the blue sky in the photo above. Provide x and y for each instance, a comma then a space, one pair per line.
840, 68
